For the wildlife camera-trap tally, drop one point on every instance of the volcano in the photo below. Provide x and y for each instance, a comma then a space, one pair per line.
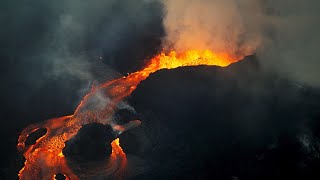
160, 89
236, 122
45, 158
216, 123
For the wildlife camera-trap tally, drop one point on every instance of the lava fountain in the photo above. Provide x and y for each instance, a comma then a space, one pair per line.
45, 158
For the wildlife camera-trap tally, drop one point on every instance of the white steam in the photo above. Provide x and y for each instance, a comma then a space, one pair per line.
202, 24
284, 34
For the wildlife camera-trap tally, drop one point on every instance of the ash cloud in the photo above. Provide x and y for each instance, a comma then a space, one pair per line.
202, 24
290, 44
87, 34
283, 34
66, 45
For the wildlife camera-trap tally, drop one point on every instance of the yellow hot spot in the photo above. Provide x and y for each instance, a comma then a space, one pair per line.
189, 58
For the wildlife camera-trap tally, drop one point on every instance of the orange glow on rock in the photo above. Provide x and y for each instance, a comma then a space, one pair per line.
44, 159
118, 154
116, 148
190, 58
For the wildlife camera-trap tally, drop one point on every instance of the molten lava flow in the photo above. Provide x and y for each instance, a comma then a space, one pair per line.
44, 159
118, 155
116, 149
189, 58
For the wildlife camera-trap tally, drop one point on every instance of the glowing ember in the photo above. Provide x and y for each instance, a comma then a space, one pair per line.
118, 154
44, 159
116, 149
190, 58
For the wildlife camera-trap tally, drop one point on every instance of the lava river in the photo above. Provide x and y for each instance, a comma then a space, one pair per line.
45, 158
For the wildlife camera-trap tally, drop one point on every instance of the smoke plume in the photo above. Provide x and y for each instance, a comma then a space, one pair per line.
202, 24
281, 33
66, 45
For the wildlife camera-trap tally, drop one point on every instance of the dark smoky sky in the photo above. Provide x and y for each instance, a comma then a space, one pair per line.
62, 46
63, 41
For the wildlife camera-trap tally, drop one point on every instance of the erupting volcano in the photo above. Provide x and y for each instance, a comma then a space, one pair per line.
45, 158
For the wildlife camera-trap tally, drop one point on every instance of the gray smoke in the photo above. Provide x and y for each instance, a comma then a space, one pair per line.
282, 33
215, 25
69, 44
83, 30
291, 43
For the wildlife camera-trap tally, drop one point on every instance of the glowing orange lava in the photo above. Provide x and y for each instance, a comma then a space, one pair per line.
44, 159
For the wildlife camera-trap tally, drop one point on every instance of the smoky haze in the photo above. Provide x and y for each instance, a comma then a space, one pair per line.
66, 45
214, 25
66, 40
282, 33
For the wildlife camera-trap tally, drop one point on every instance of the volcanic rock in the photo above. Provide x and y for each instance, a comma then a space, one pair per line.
92, 143
210, 122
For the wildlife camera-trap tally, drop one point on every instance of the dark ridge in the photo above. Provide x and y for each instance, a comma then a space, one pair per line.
33, 137
92, 143
237, 122
124, 116
140, 44
134, 141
